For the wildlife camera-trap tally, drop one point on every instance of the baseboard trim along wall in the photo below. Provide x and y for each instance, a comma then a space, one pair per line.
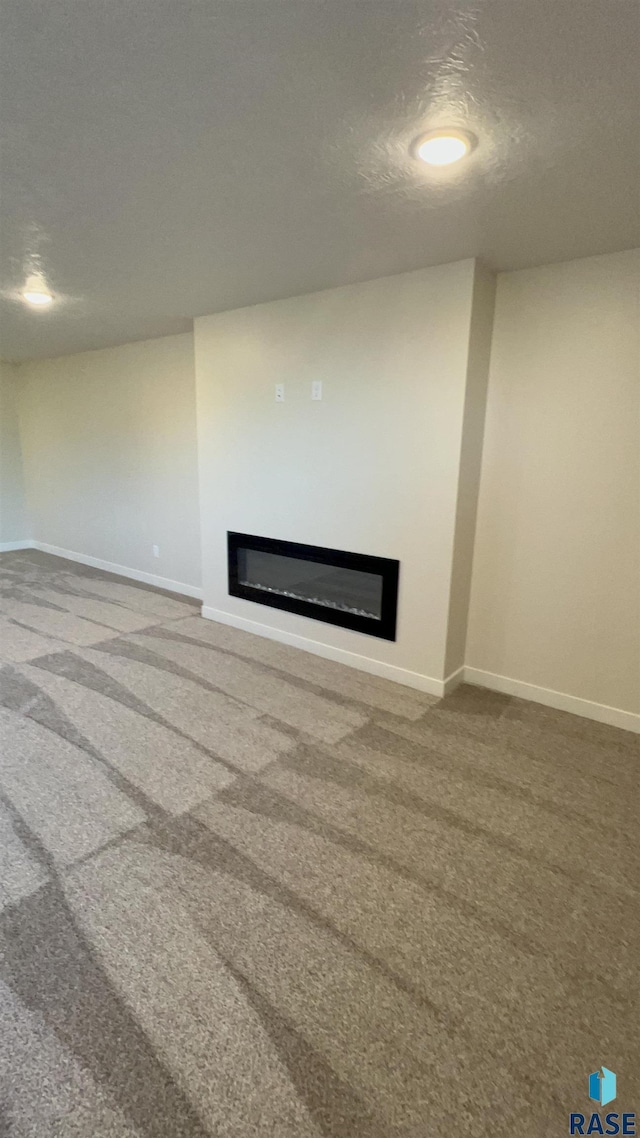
453, 681
613, 716
341, 656
10, 546
120, 570
561, 701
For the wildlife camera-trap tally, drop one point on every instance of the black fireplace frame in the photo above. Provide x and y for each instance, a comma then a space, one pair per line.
385, 567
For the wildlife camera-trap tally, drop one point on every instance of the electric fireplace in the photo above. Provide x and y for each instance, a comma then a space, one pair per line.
349, 589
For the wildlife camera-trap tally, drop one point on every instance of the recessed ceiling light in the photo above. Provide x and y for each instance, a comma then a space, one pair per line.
442, 147
37, 299
36, 292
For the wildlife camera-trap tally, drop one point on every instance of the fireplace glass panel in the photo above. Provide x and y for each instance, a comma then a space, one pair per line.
331, 586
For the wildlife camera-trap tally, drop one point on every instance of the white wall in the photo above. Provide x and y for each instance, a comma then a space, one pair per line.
556, 579
386, 464
14, 521
109, 439
372, 469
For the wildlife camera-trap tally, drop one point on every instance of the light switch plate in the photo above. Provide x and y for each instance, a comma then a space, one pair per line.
279, 392
316, 389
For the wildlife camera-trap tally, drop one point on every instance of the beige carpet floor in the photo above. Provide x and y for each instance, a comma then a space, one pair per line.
248, 892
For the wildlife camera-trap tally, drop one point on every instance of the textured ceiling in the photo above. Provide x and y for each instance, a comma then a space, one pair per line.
167, 158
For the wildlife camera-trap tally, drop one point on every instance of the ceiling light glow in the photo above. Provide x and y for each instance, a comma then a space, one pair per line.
442, 147
36, 292
38, 299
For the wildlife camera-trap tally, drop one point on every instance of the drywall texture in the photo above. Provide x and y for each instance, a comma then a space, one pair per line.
372, 468
14, 521
110, 453
556, 577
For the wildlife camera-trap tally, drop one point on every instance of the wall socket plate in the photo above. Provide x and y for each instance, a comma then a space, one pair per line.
279, 392
156, 550
316, 389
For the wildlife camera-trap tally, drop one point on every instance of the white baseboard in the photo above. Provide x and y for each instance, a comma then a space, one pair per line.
9, 546
453, 681
561, 701
120, 570
340, 655
614, 716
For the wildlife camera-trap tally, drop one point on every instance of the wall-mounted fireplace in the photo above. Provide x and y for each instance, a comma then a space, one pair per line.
349, 589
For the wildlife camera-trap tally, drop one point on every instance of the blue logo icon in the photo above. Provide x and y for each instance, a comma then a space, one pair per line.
602, 1086
602, 1089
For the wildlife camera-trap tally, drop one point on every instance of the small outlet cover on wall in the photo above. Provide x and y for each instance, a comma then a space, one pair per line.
316, 389
156, 550
279, 392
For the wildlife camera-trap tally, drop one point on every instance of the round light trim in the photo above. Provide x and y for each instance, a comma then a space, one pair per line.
36, 292
443, 147
37, 299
